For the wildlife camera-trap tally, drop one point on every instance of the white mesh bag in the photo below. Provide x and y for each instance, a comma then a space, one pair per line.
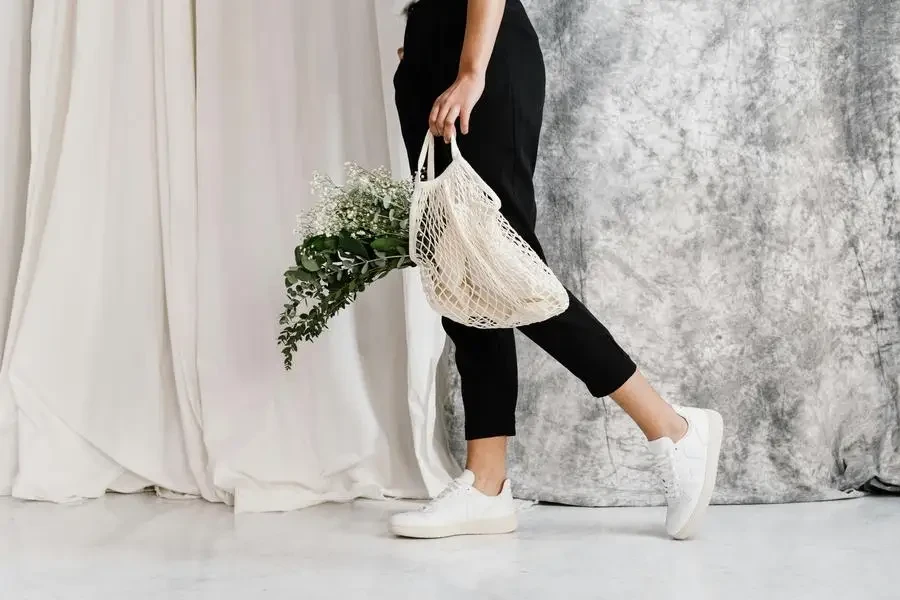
476, 270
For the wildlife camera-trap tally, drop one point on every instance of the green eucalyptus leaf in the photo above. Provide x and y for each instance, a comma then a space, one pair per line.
306, 276
387, 243
332, 270
315, 243
351, 244
309, 263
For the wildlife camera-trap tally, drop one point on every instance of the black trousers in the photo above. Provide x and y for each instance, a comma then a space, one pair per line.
502, 146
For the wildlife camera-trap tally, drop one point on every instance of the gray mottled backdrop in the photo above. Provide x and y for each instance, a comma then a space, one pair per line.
720, 182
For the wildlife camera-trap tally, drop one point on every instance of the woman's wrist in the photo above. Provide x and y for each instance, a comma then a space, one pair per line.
470, 72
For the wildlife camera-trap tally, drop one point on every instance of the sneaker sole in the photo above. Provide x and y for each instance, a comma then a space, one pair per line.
716, 427
482, 527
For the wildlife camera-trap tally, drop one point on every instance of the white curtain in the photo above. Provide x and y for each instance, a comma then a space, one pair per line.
15, 27
171, 144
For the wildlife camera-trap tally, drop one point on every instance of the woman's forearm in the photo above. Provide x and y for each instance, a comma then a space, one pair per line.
482, 24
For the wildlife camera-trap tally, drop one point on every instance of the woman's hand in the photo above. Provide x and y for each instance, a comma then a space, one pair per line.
456, 103
483, 19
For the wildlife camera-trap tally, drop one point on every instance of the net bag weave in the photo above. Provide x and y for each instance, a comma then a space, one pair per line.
476, 270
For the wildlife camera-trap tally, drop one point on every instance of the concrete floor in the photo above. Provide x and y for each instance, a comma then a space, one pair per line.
137, 547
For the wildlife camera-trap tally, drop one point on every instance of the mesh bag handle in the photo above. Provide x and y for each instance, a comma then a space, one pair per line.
428, 152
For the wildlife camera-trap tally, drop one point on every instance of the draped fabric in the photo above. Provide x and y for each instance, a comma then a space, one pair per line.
15, 28
159, 153
87, 362
277, 98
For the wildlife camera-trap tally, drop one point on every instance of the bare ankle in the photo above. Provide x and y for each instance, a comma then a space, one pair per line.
489, 478
674, 429
680, 430
487, 459
489, 484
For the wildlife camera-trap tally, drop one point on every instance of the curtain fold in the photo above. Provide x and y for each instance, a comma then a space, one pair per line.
425, 337
15, 153
278, 99
159, 153
88, 361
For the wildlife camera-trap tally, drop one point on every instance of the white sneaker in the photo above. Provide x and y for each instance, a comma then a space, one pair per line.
688, 469
459, 510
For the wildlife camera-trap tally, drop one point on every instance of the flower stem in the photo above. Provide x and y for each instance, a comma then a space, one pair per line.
368, 262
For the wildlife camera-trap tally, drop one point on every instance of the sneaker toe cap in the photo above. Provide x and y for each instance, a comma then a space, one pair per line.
678, 517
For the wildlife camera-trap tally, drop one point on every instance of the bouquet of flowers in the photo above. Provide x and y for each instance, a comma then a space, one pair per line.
355, 235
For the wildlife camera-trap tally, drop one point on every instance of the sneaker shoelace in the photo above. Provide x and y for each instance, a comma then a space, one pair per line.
453, 489
669, 475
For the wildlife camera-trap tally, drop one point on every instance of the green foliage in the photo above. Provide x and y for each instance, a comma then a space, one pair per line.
357, 235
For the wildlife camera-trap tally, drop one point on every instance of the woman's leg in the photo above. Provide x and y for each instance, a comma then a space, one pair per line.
485, 359
486, 458
502, 147
685, 440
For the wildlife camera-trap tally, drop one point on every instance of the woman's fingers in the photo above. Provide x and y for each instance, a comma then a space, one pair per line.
449, 122
464, 116
440, 120
446, 110
433, 118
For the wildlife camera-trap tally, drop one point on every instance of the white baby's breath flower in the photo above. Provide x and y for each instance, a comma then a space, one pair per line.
368, 204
